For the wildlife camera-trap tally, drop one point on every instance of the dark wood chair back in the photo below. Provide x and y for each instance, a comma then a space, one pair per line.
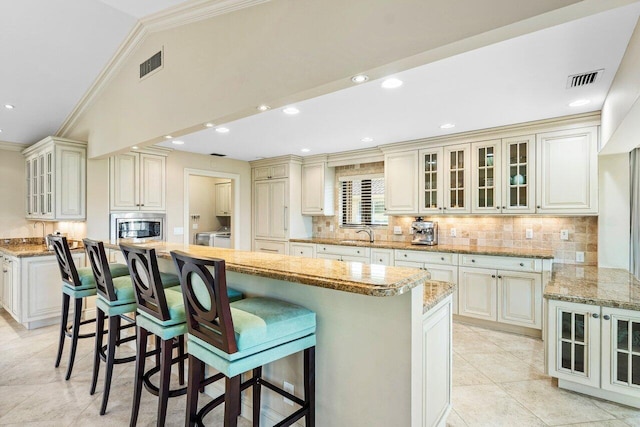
214, 325
68, 269
100, 266
147, 284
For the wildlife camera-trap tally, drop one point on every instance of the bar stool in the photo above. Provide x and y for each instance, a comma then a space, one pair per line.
160, 312
77, 283
239, 337
115, 300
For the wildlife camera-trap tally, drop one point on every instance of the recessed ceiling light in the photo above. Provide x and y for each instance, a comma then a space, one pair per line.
209, 125
0, 130
579, 103
290, 110
135, 147
263, 107
367, 139
168, 137
305, 150
360, 78
391, 83
222, 129
178, 142
9, 106
447, 126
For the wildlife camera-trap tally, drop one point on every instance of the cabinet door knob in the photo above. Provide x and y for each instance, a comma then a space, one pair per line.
358, 251
380, 260
606, 317
444, 208
522, 264
499, 277
473, 260
595, 315
537, 207
493, 276
504, 207
498, 207
405, 255
441, 258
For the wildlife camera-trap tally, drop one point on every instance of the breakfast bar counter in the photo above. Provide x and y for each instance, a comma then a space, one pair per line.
383, 353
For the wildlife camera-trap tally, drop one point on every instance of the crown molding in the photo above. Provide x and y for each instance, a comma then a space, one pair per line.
182, 14
11, 146
365, 155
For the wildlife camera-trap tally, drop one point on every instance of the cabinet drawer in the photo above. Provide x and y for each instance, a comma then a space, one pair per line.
270, 247
429, 257
355, 251
301, 249
382, 256
501, 263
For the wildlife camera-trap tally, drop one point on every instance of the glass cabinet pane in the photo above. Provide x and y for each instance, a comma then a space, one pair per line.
485, 183
623, 335
518, 180
635, 337
456, 177
622, 371
635, 370
573, 342
431, 181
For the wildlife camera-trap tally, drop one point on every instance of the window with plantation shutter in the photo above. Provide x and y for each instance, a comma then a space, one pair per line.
362, 201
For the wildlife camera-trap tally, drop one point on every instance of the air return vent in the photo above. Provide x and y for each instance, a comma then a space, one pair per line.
584, 79
151, 64
218, 155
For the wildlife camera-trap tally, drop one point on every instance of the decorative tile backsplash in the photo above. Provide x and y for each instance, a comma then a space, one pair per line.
503, 231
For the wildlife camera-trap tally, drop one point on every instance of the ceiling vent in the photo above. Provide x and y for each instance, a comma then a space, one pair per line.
218, 155
152, 64
584, 79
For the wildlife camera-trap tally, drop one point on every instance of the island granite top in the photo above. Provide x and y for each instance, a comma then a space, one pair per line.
461, 249
354, 277
608, 287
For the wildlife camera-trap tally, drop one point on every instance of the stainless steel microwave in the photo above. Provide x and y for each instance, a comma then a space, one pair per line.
137, 226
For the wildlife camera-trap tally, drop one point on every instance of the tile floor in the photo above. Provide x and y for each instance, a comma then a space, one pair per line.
499, 380
34, 393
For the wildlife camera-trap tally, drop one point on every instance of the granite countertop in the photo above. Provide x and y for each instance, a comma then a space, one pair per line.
608, 287
355, 277
434, 292
31, 248
477, 250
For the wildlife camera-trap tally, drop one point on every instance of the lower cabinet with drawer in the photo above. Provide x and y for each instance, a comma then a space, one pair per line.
343, 253
307, 250
270, 246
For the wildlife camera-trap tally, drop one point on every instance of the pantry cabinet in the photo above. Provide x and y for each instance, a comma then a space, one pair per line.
271, 205
317, 188
223, 199
138, 181
55, 172
567, 171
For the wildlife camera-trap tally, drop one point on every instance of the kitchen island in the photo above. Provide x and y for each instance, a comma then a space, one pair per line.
383, 354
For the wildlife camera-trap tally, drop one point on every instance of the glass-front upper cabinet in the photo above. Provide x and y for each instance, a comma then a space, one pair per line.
457, 179
431, 180
519, 181
486, 178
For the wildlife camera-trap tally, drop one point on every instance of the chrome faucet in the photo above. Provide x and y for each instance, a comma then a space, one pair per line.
369, 231
43, 228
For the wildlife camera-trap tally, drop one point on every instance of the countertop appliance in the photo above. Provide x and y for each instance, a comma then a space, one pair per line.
220, 238
425, 232
137, 226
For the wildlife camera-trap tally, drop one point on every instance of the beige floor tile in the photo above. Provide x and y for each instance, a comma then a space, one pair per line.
633, 422
454, 420
465, 374
553, 405
610, 423
513, 342
489, 405
503, 367
470, 342
618, 411
534, 358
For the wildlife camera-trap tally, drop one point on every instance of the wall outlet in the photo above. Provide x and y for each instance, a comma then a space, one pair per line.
397, 229
528, 233
564, 234
178, 231
289, 389
194, 226
453, 232
330, 227
579, 256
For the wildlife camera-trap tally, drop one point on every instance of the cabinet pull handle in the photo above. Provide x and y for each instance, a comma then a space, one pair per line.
268, 250
499, 277
285, 218
493, 276
606, 317
141, 204
595, 315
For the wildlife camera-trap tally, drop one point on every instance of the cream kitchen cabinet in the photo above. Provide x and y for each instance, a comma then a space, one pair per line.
567, 172
382, 256
431, 194
457, 179
10, 288
271, 205
271, 172
401, 183
271, 247
223, 199
502, 176
307, 250
344, 253
317, 188
595, 350
138, 181
56, 180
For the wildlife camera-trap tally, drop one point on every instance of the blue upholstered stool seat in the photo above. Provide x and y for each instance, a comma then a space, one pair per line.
265, 330
88, 281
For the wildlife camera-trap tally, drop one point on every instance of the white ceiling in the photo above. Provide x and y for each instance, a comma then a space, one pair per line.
515, 81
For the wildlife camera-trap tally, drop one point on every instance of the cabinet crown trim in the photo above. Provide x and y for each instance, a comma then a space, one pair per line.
52, 139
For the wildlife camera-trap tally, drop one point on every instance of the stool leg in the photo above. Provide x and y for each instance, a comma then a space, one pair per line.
193, 385
111, 354
157, 350
63, 326
98, 349
310, 385
231, 401
119, 331
181, 362
165, 378
257, 374
77, 311
141, 350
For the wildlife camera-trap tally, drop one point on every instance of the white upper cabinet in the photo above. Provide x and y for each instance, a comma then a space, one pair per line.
401, 182
56, 179
223, 199
317, 189
431, 180
503, 176
457, 179
567, 172
137, 182
271, 172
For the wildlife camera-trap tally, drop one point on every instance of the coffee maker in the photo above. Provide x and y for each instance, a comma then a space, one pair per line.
425, 232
